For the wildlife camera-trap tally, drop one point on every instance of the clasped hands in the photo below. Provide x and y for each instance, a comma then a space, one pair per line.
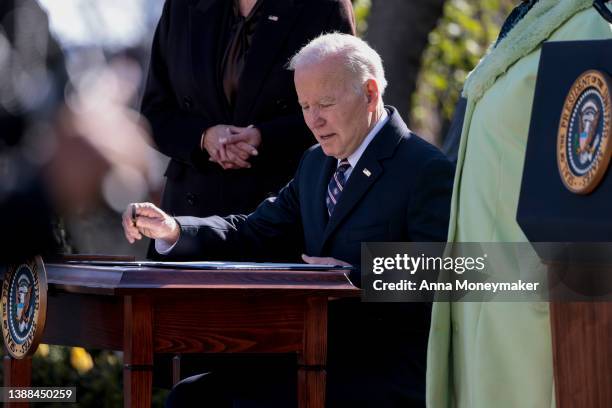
231, 146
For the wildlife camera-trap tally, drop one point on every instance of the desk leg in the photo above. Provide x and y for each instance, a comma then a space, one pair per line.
582, 358
17, 373
311, 387
138, 351
311, 374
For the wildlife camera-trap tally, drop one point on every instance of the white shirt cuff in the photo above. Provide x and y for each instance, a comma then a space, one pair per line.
162, 247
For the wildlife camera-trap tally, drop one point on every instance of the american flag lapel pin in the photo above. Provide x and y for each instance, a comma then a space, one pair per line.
273, 18
367, 172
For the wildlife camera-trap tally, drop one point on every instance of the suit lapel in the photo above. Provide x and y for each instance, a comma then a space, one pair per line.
366, 172
276, 19
206, 30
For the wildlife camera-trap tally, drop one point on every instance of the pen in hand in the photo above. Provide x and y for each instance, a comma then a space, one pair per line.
134, 215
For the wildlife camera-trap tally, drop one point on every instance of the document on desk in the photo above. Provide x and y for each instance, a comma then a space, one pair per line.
214, 265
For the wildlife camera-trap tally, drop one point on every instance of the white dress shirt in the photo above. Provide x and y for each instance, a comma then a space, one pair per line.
356, 155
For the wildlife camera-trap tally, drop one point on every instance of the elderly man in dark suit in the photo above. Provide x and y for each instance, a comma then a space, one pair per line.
369, 179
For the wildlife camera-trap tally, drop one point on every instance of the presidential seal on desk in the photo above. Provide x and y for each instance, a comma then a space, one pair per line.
24, 306
583, 140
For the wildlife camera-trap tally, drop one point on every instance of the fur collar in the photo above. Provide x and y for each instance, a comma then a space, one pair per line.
537, 25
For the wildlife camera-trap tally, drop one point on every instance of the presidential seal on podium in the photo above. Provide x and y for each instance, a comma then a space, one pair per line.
583, 139
24, 307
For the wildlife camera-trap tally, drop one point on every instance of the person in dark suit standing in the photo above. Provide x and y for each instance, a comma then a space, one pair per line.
369, 179
217, 70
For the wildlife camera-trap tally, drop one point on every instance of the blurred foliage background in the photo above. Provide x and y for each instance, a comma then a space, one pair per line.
97, 374
462, 36
463, 31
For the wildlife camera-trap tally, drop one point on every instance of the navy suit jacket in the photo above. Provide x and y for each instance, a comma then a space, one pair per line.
376, 351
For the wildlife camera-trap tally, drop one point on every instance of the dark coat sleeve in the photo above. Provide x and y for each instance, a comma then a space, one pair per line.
429, 209
253, 237
161, 107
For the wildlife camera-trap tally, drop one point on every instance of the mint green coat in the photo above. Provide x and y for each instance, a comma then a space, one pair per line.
484, 355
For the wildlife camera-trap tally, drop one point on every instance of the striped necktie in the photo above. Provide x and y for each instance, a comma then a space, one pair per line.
336, 185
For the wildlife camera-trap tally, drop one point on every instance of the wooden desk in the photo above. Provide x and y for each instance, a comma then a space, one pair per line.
143, 311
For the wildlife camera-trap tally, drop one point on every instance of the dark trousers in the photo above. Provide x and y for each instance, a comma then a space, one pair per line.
242, 381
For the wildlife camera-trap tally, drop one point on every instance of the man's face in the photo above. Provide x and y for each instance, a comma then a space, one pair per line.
337, 114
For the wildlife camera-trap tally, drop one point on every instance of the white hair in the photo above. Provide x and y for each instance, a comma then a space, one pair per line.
356, 55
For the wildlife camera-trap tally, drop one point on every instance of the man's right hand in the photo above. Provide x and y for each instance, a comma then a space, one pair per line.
146, 219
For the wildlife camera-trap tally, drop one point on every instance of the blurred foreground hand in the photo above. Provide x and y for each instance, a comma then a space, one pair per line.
101, 145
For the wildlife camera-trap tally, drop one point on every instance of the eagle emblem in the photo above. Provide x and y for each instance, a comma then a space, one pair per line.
24, 299
588, 138
583, 139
